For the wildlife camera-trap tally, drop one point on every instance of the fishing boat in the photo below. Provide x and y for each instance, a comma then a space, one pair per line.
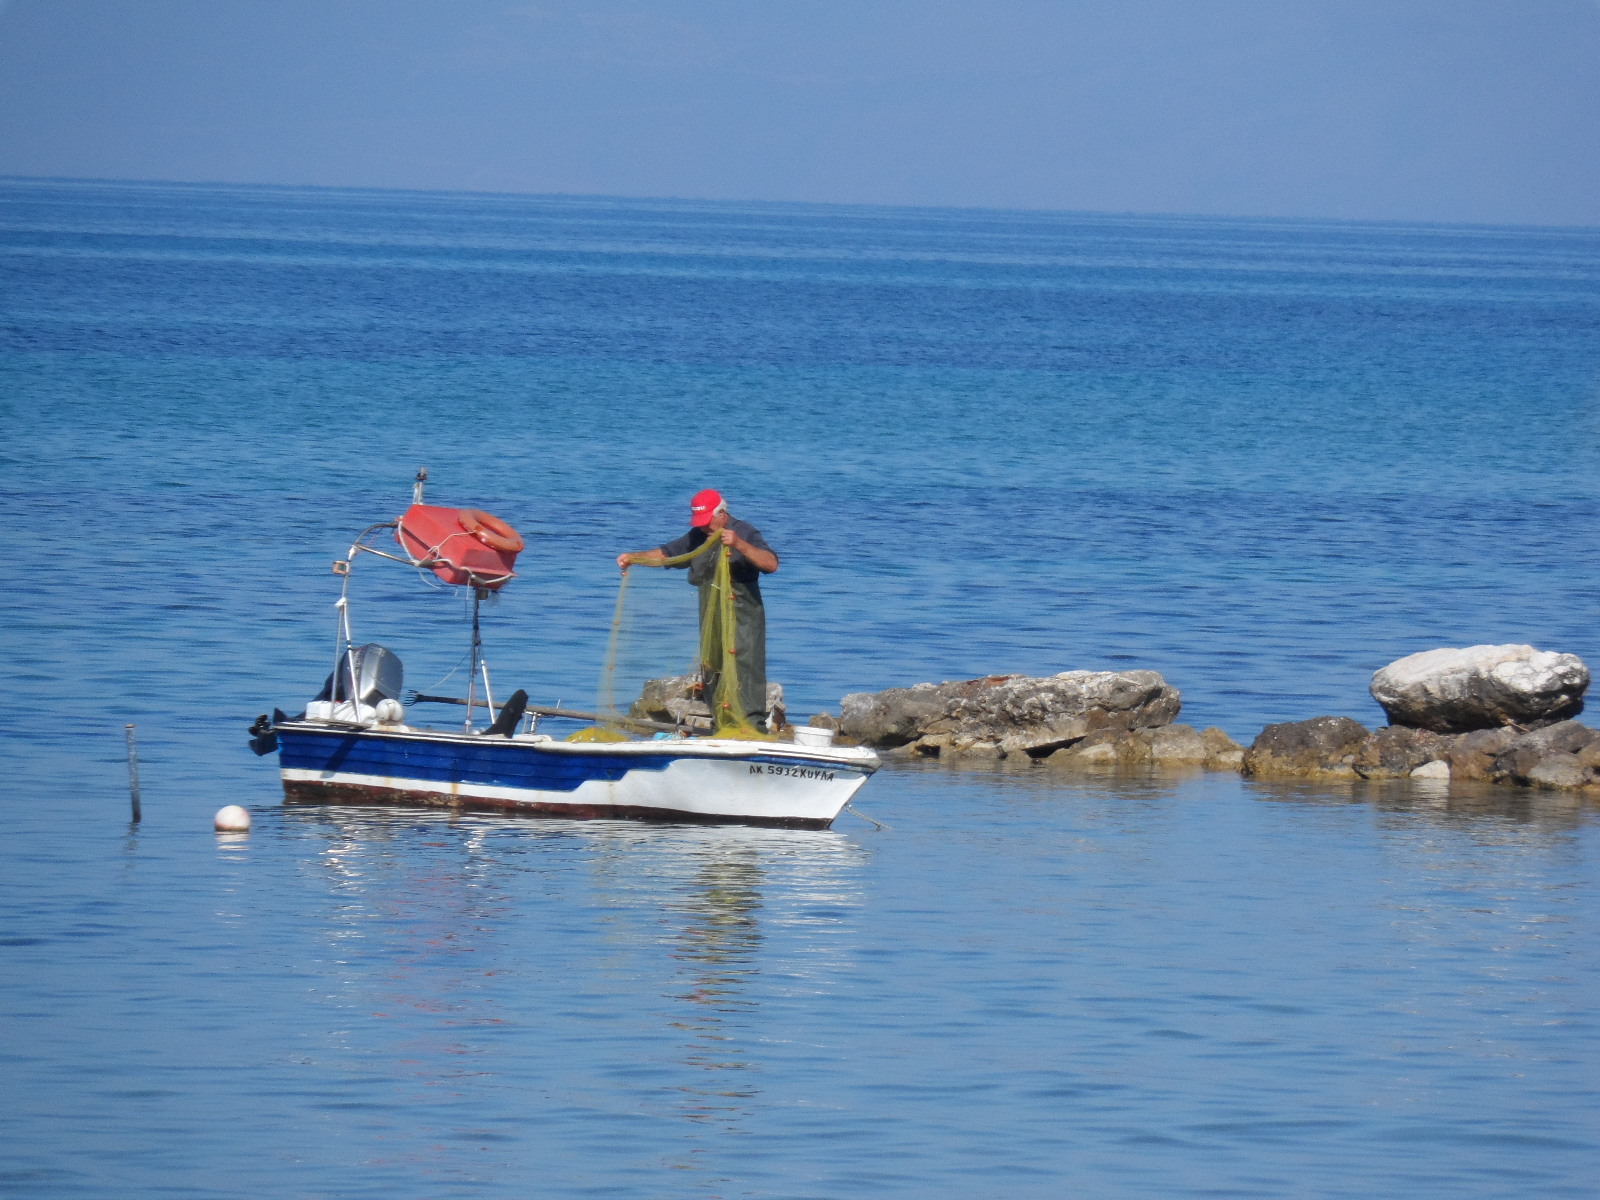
356, 744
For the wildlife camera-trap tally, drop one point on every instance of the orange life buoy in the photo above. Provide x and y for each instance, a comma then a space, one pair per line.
491, 531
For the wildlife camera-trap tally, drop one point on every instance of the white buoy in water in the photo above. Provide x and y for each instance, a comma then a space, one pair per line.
233, 819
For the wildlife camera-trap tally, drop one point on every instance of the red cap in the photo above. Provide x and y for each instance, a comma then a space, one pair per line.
705, 505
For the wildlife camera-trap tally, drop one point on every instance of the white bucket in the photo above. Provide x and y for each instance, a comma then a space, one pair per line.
812, 735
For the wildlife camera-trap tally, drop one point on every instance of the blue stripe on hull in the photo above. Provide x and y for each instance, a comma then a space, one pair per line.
501, 763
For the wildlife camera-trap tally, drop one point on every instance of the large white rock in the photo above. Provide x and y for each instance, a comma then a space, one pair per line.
1480, 687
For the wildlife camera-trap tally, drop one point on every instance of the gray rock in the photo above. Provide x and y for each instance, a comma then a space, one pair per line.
1107, 748
673, 698
1564, 737
1516, 763
1035, 716
1009, 714
1480, 687
1396, 751
1559, 773
1178, 744
1321, 748
656, 699
1101, 751
1222, 752
1565, 755
1472, 755
1166, 746
893, 717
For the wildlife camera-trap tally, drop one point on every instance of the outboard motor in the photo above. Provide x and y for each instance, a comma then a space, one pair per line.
378, 672
263, 739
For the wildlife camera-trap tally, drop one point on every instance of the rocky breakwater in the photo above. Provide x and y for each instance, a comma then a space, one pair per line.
1074, 719
1497, 713
676, 699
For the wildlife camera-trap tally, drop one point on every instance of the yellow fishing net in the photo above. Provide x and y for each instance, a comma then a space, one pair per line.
718, 656
598, 733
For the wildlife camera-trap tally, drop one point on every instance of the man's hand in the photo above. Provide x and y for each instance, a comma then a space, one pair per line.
730, 538
648, 558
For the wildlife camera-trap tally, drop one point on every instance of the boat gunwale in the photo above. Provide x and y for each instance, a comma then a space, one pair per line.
856, 758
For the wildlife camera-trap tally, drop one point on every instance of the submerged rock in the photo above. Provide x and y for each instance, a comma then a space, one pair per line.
1480, 687
1004, 715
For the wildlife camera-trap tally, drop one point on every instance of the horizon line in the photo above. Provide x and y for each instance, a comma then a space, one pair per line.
1124, 214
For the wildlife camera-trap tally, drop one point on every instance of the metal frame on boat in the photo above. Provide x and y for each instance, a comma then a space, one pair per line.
352, 745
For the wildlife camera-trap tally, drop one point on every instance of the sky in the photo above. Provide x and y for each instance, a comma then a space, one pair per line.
1417, 110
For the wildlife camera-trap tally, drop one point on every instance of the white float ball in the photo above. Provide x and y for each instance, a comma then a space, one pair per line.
391, 712
233, 819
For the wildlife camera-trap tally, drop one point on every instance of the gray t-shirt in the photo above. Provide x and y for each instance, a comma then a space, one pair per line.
703, 568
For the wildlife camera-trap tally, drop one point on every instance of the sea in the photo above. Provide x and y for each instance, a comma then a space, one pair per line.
1262, 457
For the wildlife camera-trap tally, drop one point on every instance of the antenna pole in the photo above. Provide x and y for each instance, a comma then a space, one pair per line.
472, 666
477, 665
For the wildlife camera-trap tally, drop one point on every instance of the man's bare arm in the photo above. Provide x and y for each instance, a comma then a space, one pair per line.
764, 561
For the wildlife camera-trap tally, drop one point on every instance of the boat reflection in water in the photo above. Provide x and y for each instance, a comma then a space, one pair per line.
530, 970
716, 951
747, 917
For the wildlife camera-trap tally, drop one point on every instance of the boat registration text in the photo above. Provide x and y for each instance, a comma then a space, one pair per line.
797, 772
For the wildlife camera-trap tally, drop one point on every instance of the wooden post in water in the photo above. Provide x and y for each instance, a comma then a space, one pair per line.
133, 775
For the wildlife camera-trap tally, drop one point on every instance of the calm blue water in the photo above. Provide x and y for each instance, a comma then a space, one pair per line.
1264, 458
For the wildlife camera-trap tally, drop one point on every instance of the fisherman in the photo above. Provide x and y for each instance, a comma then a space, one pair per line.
749, 558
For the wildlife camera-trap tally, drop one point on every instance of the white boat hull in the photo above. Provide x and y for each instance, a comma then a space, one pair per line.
676, 779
